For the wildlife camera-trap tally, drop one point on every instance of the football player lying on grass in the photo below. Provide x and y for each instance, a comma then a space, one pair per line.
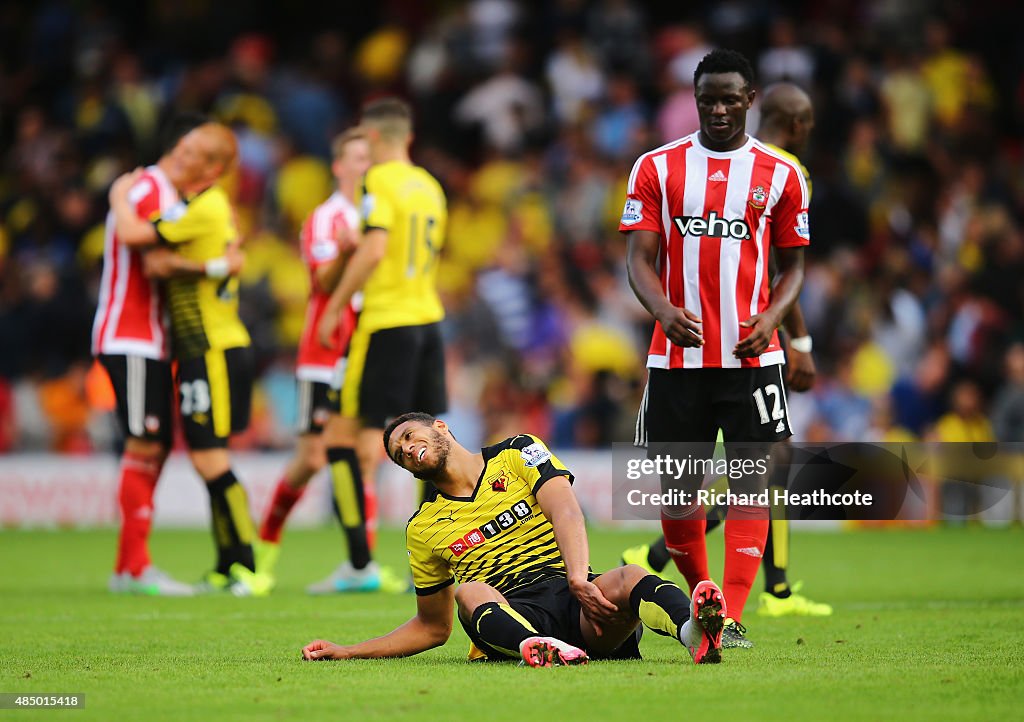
506, 524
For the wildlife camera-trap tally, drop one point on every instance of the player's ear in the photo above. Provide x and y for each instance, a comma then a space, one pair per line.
440, 426
750, 97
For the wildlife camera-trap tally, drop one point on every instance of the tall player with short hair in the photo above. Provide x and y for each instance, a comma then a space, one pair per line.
787, 119
131, 342
396, 356
504, 523
209, 341
329, 236
703, 215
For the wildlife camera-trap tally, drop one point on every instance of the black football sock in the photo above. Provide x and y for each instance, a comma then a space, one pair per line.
661, 606
501, 627
776, 549
657, 556
349, 502
233, 529
776, 558
715, 517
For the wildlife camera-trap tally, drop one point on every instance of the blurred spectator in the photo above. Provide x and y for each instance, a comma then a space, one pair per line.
954, 78
1008, 405
964, 422
491, 25
620, 120
617, 31
907, 102
506, 106
917, 398
899, 328
846, 412
785, 58
883, 427
574, 77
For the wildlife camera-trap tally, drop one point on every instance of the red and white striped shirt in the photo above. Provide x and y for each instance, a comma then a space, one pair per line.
130, 313
718, 215
319, 247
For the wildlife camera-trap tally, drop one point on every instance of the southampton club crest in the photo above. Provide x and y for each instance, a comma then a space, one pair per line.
758, 198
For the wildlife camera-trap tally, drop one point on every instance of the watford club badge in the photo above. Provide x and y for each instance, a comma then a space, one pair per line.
498, 484
758, 198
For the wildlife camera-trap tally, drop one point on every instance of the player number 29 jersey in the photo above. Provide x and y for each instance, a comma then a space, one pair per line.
498, 536
408, 203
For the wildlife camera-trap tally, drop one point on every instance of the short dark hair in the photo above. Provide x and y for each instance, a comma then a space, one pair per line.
420, 416
723, 60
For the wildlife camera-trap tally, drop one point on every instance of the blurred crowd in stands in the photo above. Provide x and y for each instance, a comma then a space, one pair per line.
531, 114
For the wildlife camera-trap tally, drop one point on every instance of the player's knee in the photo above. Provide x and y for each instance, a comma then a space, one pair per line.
310, 459
633, 573
151, 451
617, 584
782, 454
211, 463
471, 595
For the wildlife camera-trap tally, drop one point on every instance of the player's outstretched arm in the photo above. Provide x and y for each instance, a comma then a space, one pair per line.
682, 327
558, 502
430, 628
357, 272
163, 263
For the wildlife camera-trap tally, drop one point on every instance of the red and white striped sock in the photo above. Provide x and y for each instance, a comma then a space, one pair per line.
139, 475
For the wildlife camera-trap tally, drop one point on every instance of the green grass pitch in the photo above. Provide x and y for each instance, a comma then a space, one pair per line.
928, 625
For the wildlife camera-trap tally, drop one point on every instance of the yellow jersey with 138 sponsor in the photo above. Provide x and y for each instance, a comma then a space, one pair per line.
204, 311
499, 535
408, 203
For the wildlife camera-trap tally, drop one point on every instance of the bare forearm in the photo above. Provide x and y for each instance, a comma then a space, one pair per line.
181, 267
328, 276
786, 286
785, 293
163, 263
354, 276
571, 537
131, 230
794, 322
643, 279
411, 638
647, 287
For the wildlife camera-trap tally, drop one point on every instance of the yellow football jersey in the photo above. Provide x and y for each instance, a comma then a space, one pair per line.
408, 203
204, 311
801, 166
499, 535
